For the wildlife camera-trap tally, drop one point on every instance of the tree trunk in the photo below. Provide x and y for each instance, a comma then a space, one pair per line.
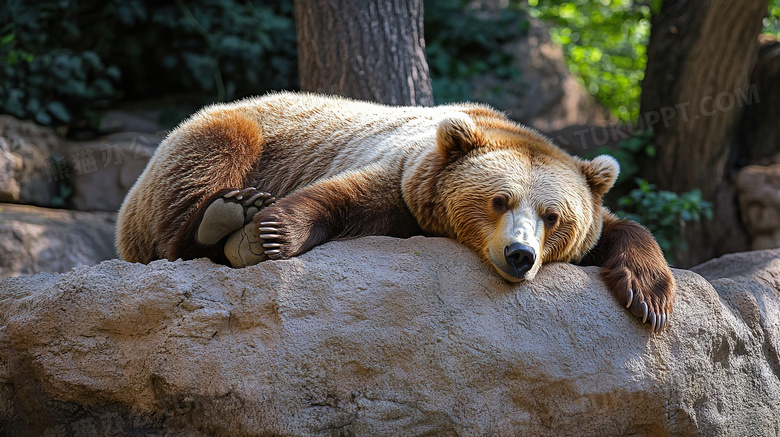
365, 49
699, 60
759, 136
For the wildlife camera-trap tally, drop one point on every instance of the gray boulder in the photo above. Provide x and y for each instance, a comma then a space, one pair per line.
380, 336
39, 168
34, 239
29, 157
106, 169
758, 191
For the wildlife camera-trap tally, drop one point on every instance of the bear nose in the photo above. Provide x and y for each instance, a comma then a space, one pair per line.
520, 257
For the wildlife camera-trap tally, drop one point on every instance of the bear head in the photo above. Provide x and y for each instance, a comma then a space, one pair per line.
508, 194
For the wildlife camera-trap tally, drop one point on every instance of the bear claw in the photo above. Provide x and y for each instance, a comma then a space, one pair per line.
659, 320
269, 231
244, 192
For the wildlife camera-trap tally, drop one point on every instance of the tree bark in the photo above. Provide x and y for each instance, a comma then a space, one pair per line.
364, 49
759, 136
699, 61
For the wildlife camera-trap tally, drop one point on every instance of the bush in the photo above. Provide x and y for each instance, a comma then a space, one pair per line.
664, 213
605, 44
772, 20
629, 152
463, 42
65, 59
43, 79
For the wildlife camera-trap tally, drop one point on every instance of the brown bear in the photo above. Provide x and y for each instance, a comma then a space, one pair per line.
339, 168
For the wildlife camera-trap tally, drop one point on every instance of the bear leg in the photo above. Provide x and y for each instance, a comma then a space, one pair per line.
353, 204
634, 270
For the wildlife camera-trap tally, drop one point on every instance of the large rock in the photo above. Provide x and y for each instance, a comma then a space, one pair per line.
34, 239
758, 191
107, 168
547, 96
379, 336
29, 156
552, 97
10, 163
39, 168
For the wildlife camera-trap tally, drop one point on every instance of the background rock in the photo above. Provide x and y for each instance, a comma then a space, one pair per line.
758, 191
39, 168
380, 336
27, 149
34, 239
106, 169
549, 97
9, 164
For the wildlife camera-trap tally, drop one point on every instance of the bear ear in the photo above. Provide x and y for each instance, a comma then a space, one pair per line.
457, 135
601, 173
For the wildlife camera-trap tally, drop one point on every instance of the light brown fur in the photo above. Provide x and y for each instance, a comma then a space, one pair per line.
342, 168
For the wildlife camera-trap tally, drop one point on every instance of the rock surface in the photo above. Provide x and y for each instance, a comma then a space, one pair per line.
34, 239
106, 169
39, 168
758, 191
26, 166
379, 336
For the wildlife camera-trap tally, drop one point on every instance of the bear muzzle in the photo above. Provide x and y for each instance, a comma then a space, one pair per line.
520, 258
515, 246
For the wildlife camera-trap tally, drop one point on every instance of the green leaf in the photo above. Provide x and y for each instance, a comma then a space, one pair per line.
58, 110
655, 6
7, 39
43, 118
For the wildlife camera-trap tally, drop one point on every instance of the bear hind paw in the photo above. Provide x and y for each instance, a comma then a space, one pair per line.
254, 243
230, 211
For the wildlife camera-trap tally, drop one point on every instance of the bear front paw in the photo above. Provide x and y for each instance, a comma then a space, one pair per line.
271, 234
648, 292
286, 232
279, 233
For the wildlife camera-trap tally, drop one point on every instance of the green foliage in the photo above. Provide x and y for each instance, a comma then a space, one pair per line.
62, 60
221, 49
605, 44
664, 213
629, 152
43, 79
463, 42
772, 20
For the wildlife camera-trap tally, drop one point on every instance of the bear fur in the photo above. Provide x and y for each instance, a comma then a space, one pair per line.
339, 168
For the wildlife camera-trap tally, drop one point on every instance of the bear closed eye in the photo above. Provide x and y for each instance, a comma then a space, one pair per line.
341, 168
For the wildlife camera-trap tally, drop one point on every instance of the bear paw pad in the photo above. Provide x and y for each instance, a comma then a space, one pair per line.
251, 245
229, 212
